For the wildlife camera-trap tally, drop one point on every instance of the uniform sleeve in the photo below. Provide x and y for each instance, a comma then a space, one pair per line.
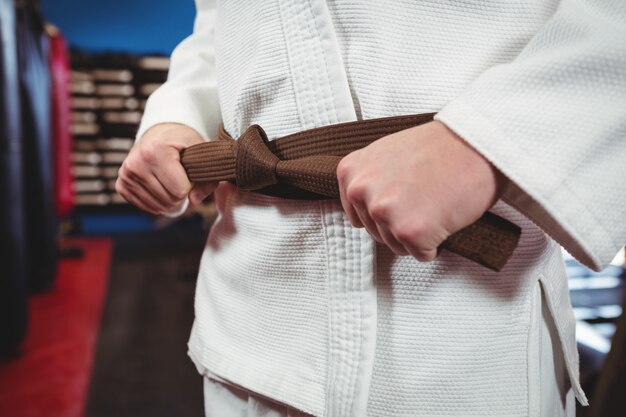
189, 96
554, 122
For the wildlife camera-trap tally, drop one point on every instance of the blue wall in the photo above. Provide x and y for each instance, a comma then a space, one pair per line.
138, 26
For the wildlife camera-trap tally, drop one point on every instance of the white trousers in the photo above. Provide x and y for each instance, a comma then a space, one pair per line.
550, 393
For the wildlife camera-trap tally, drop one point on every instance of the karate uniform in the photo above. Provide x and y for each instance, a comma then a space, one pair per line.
295, 305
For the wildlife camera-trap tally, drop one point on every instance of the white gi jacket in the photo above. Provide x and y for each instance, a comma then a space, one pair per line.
295, 304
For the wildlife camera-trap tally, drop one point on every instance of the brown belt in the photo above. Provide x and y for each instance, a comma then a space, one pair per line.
303, 166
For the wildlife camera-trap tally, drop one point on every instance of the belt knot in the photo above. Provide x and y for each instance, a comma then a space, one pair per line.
257, 167
307, 162
255, 164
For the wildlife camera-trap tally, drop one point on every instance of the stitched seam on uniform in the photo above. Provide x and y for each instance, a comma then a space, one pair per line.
531, 349
359, 323
350, 322
329, 367
326, 85
570, 355
336, 329
345, 322
334, 362
336, 389
350, 286
305, 80
557, 319
315, 76
301, 113
305, 76
349, 319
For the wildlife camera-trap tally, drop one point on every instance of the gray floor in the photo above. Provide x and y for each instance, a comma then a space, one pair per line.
141, 366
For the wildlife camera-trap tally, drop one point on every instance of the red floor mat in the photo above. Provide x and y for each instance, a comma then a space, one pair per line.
51, 378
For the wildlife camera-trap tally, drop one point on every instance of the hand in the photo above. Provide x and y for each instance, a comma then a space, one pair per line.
152, 177
414, 188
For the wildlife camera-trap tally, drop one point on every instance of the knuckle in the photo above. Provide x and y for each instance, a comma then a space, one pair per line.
407, 234
379, 211
343, 169
355, 192
410, 234
404, 235
148, 152
417, 237
129, 168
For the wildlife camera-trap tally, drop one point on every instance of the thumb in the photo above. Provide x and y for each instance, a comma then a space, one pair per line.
200, 191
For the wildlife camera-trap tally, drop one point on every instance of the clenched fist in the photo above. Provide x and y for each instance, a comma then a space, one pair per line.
414, 188
152, 177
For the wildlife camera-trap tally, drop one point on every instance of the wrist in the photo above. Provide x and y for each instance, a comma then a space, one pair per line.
174, 134
489, 176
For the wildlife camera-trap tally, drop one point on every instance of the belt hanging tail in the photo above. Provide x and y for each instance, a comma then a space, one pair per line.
304, 165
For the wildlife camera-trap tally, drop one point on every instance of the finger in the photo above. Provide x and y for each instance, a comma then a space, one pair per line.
146, 194
137, 173
174, 179
158, 191
135, 201
421, 254
344, 174
368, 223
131, 181
353, 217
142, 198
422, 245
390, 240
200, 192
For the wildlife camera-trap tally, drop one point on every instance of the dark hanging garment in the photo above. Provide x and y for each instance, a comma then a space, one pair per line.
61, 137
41, 222
12, 256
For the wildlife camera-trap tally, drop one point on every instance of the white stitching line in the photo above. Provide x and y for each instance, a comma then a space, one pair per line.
301, 113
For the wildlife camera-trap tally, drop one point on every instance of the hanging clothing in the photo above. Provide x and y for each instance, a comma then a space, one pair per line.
13, 284
295, 304
33, 53
61, 137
